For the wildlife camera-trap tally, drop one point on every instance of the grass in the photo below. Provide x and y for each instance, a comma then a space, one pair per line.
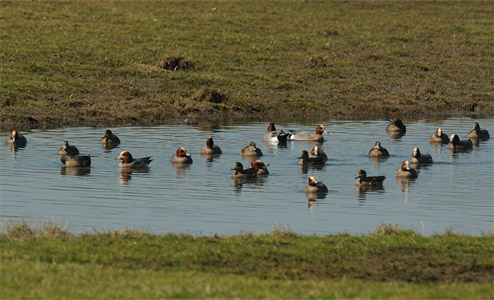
50, 262
101, 62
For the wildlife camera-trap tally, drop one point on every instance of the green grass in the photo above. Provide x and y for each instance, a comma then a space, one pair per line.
50, 262
67, 63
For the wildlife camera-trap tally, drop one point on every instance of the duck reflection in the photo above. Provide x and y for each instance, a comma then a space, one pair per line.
181, 169
126, 174
405, 183
238, 183
305, 168
210, 157
363, 190
75, 171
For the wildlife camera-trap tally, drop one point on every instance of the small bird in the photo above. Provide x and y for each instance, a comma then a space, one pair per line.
396, 126
210, 147
181, 157
67, 149
457, 144
477, 133
240, 173
368, 181
315, 186
406, 171
260, 167
378, 151
16, 139
305, 159
309, 136
129, 162
109, 140
419, 158
251, 150
439, 137
76, 161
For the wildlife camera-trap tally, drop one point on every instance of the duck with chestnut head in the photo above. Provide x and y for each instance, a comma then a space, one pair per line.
309, 135
210, 147
129, 162
439, 137
181, 157
315, 186
406, 171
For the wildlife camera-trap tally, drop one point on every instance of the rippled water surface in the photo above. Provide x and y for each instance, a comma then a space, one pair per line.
456, 192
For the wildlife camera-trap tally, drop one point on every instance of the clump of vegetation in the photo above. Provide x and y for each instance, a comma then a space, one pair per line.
318, 62
211, 96
392, 229
174, 63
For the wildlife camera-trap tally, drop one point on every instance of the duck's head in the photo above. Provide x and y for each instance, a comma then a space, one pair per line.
361, 174
405, 166
416, 152
271, 127
108, 133
210, 142
377, 145
315, 150
258, 164
65, 145
312, 180
304, 154
398, 123
126, 157
455, 140
14, 135
439, 132
476, 127
238, 166
252, 145
320, 129
182, 152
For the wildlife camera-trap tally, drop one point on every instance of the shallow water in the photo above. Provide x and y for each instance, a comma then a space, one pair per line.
456, 192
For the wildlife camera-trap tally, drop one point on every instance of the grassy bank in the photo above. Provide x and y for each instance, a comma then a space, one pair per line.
109, 62
49, 262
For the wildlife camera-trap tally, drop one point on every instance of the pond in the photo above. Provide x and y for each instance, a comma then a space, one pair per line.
455, 192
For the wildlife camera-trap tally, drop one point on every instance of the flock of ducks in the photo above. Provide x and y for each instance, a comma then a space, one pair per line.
69, 155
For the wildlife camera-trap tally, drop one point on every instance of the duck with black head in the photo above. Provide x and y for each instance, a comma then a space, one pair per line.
129, 162
396, 126
308, 135
368, 181
305, 159
181, 157
273, 136
457, 144
16, 139
419, 158
405, 171
210, 147
477, 133
241, 173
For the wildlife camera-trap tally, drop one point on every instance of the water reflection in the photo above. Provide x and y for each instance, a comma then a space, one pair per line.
210, 157
238, 183
126, 174
75, 171
304, 168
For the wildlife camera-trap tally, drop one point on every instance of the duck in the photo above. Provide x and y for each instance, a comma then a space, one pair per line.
439, 137
309, 136
16, 139
315, 186
305, 159
275, 136
457, 144
260, 167
240, 173
378, 151
396, 126
181, 157
477, 133
76, 161
251, 150
67, 149
129, 162
406, 171
210, 147
419, 158
318, 153
368, 181
109, 140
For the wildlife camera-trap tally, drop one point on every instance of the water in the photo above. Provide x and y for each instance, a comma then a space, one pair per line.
456, 192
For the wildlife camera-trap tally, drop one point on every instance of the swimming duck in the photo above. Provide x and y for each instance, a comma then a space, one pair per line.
76, 161
406, 171
368, 181
251, 150
109, 140
275, 136
456, 144
210, 147
396, 126
260, 167
315, 186
129, 162
439, 137
477, 133
181, 157
419, 158
378, 151
318, 153
67, 149
16, 139
309, 136
240, 173
305, 159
